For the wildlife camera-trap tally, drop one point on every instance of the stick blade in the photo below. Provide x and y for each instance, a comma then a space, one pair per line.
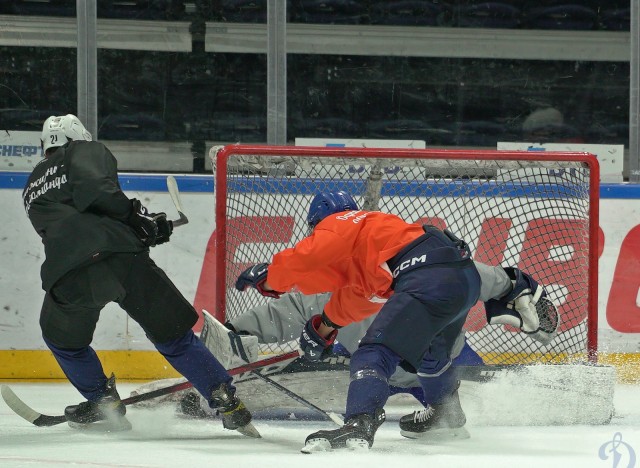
25, 412
174, 193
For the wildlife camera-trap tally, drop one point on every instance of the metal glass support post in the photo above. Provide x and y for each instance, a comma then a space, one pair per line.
634, 95
87, 65
276, 72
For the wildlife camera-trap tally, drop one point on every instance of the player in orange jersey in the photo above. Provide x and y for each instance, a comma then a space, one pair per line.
426, 282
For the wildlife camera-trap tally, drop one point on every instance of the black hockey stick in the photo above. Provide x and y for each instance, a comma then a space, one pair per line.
325, 415
172, 186
42, 420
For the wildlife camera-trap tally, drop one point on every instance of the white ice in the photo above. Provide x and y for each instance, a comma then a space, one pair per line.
160, 438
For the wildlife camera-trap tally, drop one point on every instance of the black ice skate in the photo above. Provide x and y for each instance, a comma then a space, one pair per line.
235, 415
356, 434
436, 422
109, 408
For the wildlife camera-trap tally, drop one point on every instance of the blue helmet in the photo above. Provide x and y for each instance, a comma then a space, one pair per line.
328, 203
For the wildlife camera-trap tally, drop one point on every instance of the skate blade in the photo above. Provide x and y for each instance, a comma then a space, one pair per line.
250, 431
120, 425
438, 435
316, 445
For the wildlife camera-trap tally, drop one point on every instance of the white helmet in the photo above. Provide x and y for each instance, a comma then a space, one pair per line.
58, 130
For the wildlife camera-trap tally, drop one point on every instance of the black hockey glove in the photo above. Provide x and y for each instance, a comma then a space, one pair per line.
255, 277
165, 228
314, 345
151, 228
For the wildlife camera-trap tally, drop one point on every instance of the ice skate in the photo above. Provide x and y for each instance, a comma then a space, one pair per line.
436, 422
235, 415
356, 434
231, 349
108, 411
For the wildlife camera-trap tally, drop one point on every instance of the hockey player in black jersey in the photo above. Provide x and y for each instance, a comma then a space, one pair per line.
96, 242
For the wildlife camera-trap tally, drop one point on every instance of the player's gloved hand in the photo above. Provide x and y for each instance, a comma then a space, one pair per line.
255, 277
312, 343
143, 223
165, 228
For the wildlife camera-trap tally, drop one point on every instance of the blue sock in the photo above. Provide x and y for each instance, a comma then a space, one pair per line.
435, 389
366, 395
83, 369
371, 366
189, 356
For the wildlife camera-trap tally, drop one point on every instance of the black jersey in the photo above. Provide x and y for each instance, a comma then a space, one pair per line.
74, 202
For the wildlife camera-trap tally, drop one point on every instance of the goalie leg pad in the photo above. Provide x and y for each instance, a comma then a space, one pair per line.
231, 349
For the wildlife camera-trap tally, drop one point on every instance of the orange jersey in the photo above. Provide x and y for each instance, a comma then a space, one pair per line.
346, 255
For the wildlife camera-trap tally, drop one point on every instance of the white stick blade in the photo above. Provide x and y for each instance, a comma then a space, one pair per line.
17, 405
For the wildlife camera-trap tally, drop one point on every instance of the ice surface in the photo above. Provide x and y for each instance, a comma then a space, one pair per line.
160, 438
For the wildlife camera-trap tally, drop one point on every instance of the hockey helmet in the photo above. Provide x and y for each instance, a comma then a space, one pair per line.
58, 130
328, 203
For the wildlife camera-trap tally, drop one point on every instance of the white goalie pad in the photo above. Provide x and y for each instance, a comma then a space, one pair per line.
230, 349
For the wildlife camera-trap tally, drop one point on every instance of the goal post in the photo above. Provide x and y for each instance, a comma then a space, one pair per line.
537, 211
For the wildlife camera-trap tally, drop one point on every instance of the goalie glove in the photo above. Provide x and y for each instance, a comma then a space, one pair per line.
255, 277
314, 345
525, 307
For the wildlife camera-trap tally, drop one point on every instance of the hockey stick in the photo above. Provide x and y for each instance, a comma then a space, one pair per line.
172, 187
325, 415
42, 420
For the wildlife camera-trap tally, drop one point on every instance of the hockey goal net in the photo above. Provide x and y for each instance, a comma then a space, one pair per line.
536, 211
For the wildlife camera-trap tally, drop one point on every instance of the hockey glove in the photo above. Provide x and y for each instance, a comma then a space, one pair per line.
165, 228
143, 223
151, 228
255, 277
525, 307
314, 345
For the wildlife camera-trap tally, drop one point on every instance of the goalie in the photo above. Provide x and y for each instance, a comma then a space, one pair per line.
426, 280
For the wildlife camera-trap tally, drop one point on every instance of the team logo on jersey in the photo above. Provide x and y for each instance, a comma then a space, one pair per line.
353, 216
38, 187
